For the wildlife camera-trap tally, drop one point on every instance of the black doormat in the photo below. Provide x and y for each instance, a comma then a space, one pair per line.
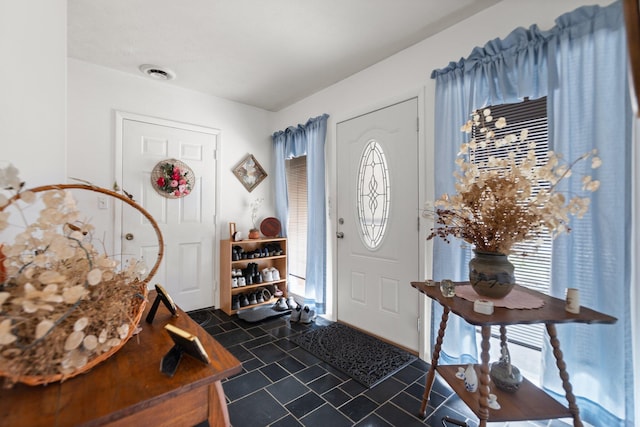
260, 313
364, 358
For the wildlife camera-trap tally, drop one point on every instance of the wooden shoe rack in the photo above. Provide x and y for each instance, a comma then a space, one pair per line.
228, 264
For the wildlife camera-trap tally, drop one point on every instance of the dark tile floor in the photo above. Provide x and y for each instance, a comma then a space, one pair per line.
283, 385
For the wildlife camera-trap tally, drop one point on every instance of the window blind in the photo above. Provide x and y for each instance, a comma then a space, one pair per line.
296, 170
532, 270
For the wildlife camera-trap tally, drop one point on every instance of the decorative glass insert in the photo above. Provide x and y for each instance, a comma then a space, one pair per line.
373, 194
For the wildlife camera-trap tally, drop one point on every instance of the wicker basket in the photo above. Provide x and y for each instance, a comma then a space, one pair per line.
135, 308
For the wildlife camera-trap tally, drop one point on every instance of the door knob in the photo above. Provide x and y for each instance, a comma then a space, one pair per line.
128, 236
340, 235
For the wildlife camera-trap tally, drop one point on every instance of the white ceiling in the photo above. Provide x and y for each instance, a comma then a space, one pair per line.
265, 53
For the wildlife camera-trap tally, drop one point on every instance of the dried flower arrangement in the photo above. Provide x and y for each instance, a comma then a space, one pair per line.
496, 205
255, 206
64, 306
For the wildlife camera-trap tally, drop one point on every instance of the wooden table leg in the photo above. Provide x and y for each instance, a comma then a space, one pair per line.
483, 410
434, 362
218, 413
564, 375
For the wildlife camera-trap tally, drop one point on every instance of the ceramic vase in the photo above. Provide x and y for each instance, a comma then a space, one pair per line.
491, 274
254, 233
470, 378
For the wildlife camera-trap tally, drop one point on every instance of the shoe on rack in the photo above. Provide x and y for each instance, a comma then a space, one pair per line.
244, 301
266, 294
295, 314
307, 315
235, 302
252, 298
259, 296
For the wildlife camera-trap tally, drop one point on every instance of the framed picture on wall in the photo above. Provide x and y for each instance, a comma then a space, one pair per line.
249, 172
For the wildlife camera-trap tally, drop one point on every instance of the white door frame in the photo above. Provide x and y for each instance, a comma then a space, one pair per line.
120, 117
425, 191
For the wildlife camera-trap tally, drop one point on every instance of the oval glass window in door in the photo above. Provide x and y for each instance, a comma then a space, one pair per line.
372, 192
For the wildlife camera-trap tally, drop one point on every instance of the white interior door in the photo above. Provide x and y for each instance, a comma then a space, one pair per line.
378, 237
187, 224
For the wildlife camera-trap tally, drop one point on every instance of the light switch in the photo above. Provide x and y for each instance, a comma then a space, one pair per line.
102, 202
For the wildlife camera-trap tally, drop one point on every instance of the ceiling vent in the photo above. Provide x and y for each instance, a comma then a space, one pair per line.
157, 73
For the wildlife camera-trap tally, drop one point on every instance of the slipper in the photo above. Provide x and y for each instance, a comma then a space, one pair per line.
295, 314
307, 315
280, 305
291, 303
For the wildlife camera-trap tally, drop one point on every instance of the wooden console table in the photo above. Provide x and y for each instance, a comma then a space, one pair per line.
529, 402
128, 389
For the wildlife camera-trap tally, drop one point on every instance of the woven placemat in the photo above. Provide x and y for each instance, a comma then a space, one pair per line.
517, 298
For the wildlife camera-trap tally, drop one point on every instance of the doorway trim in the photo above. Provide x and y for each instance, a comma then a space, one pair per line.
119, 118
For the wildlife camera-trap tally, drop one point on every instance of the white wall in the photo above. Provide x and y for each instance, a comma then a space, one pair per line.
407, 74
95, 93
33, 48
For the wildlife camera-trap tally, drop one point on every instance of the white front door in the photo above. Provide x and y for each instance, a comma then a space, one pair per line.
377, 208
188, 223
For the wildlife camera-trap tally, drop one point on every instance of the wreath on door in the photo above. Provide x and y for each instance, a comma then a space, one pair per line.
172, 178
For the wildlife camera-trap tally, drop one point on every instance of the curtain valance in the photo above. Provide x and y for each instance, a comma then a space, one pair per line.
524, 63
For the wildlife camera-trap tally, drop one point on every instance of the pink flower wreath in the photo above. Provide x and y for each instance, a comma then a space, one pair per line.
172, 178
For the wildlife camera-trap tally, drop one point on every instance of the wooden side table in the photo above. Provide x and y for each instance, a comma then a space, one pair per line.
529, 402
128, 389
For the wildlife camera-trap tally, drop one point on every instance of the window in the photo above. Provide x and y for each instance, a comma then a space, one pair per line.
373, 194
534, 269
297, 227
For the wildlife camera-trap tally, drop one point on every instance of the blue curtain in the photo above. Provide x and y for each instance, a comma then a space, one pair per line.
590, 109
296, 141
450, 260
580, 65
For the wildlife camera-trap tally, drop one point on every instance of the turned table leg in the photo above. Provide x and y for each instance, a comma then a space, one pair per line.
483, 410
434, 362
564, 375
503, 336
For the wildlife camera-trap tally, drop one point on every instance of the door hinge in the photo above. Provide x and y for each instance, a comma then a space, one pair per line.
418, 325
418, 223
417, 124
